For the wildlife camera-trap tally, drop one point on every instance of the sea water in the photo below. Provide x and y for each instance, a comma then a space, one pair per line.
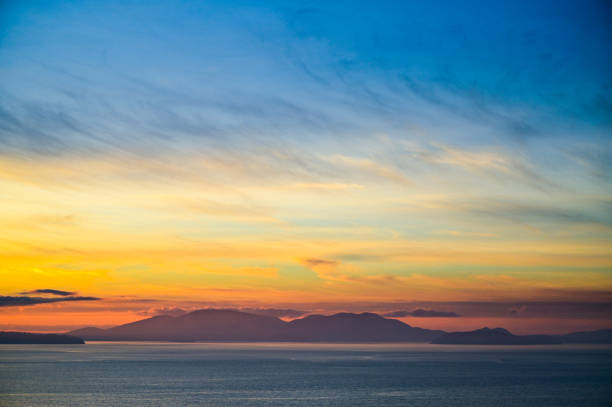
272, 374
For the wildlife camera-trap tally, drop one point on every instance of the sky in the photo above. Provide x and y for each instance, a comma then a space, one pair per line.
396, 157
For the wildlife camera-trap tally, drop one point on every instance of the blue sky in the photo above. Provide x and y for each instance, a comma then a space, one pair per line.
518, 72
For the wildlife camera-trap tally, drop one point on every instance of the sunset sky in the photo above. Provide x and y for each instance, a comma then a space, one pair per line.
451, 157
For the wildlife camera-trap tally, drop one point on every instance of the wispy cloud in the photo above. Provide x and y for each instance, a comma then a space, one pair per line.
237, 211
534, 212
319, 186
370, 168
493, 162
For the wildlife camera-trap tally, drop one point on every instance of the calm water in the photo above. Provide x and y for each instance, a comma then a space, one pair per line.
154, 374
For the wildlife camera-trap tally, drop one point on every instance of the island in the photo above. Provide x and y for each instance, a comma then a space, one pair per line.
229, 325
30, 338
236, 326
495, 336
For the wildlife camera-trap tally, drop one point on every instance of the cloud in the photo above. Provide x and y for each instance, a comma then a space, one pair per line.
314, 262
595, 157
321, 186
517, 309
472, 160
534, 212
464, 234
422, 313
495, 162
360, 257
504, 309
175, 311
226, 210
49, 291
537, 212
333, 270
8, 301
570, 310
172, 311
275, 312
371, 168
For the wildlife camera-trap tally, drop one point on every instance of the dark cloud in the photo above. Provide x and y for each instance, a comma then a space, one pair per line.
422, 313
8, 301
517, 309
313, 262
398, 314
49, 291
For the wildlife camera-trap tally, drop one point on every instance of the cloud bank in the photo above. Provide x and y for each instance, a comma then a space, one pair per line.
422, 313
9, 301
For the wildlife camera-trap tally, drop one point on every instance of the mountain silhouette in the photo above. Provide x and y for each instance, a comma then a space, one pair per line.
495, 336
365, 327
238, 326
202, 325
231, 325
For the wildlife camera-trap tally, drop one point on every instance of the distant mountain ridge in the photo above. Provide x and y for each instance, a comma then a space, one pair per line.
495, 336
231, 325
500, 336
599, 336
239, 326
365, 327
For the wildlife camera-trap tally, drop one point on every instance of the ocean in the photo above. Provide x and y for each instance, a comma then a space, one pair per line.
272, 374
